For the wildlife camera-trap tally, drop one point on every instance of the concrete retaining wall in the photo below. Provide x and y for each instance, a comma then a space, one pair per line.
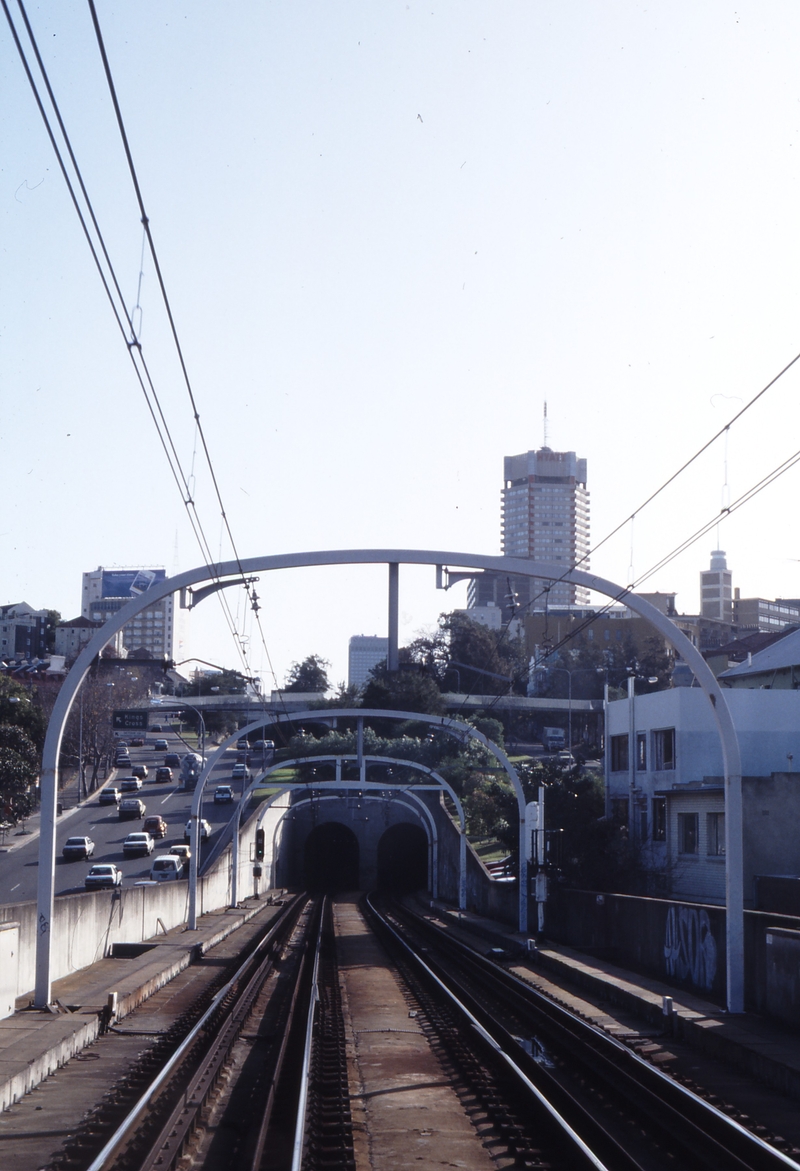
86, 925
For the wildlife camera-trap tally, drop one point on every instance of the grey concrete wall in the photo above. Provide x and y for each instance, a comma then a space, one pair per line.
86, 925
783, 974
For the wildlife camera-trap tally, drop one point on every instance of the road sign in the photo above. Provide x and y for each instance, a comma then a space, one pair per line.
131, 721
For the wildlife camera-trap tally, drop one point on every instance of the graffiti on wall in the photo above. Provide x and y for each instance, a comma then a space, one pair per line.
690, 950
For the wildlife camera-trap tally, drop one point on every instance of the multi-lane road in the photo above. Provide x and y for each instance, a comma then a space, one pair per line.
19, 863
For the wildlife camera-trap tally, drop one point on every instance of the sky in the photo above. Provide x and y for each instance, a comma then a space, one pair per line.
389, 233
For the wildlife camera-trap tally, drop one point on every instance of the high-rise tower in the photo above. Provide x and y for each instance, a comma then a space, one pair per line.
545, 517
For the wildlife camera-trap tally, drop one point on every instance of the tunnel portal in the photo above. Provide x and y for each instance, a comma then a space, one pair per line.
331, 858
403, 859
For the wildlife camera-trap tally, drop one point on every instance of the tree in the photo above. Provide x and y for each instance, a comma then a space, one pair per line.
89, 725
310, 675
19, 767
53, 619
403, 691
464, 655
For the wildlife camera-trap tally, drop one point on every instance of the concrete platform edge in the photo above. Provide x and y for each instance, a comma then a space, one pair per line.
87, 1026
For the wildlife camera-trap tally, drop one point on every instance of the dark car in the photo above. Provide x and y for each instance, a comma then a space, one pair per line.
155, 826
140, 771
160, 745
223, 794
76, 848
137, 742
163, 773
173, 760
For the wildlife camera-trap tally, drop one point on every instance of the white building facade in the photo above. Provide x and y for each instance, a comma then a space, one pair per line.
664, 784
105, 591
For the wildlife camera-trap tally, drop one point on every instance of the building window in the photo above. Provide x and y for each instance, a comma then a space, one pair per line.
688, 833
664, 749
619, 810
641, 752
715, 834
659, 819
619, 754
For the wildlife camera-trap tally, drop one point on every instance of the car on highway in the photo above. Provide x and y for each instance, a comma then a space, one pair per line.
155, 825
243, 744
223, 794
76, 848
163, 773
137, 742
264, 746
140, 771
138, 843
160, 745
239, 773
101, 875
182, 851
205, 830
166, 868
172, 760
109, 796
156, 728
130, 807
122, 760
130, 785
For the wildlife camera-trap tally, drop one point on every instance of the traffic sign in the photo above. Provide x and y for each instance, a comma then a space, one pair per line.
131, 721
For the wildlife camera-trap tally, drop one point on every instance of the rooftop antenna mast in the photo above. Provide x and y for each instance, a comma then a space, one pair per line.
545, 423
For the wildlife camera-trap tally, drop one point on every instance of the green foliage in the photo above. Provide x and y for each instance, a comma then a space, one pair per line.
17, 775
310, 675
402, 691
13, 737
20, 707
464, 655
225, 682
53, 619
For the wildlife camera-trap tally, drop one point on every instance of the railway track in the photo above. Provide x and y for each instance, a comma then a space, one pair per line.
630, 1114
264, 1081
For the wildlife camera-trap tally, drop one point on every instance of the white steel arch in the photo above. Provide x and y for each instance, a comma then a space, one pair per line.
393, 558
440, 785
419, 808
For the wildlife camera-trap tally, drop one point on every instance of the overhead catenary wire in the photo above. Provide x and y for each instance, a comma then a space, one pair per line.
116, 300
173, 328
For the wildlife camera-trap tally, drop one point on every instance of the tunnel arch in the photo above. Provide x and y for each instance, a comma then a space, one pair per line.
331, 858
403, 858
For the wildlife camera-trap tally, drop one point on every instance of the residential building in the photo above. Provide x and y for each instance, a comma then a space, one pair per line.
106, 591
365, 651
545, 517
23, 632
72, 637
776, 667
664, 777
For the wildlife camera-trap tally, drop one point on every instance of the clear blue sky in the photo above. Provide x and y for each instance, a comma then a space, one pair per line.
389, 232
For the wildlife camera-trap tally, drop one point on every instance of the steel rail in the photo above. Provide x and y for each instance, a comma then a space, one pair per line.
298, 1146
717, 1139
137, 1113
580, 1149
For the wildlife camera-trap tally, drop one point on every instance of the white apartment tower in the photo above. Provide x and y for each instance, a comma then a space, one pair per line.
105, 591
716, 593
545, 507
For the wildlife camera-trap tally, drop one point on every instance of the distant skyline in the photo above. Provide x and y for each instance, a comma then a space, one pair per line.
389, 233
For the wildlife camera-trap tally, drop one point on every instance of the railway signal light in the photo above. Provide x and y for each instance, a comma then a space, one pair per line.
259, 845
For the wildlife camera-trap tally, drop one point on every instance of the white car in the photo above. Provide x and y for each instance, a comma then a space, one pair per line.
101, 875
138, 843
166, 868
205, 830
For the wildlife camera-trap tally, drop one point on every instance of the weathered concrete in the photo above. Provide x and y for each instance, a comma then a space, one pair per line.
34, 1043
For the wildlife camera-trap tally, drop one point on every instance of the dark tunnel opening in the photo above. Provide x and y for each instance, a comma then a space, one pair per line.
403, 859
331, 858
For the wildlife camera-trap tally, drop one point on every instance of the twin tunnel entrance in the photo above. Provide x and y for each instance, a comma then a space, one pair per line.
332, 858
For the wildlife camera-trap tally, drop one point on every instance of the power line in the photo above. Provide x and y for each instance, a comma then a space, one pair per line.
120, 311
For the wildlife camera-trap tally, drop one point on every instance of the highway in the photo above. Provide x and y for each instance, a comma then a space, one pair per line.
19, 865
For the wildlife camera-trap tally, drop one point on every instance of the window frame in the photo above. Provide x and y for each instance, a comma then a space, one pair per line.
715, 840
661, 737
620, 753
658, 812
686, 818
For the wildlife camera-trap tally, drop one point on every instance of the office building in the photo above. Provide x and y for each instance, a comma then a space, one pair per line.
716, 593
23, 632
545, 517
152, 632
365, 652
